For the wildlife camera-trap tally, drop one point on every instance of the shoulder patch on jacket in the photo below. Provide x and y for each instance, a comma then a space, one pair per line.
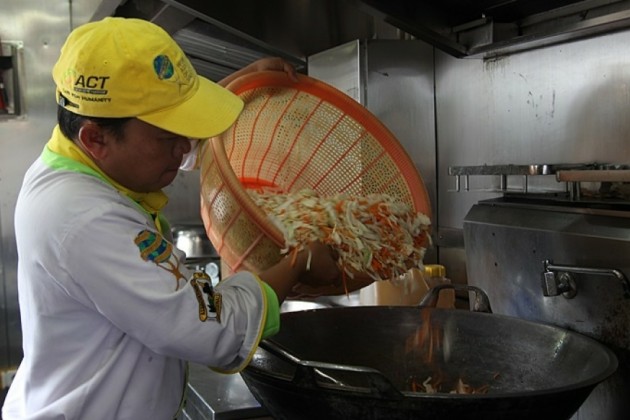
153, 247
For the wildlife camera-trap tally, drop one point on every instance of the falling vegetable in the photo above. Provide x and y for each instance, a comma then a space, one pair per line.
373, 234
425, 342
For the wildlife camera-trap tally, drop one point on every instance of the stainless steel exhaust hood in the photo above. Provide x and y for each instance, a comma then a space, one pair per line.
221, 36
489, 28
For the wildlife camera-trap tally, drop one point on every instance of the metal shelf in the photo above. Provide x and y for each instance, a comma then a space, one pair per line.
568, 179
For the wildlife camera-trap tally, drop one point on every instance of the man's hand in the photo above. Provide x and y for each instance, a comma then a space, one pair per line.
315, 266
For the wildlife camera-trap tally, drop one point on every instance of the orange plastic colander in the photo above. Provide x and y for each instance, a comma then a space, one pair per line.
291, 136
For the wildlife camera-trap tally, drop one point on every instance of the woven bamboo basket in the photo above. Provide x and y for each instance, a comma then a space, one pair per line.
291, 136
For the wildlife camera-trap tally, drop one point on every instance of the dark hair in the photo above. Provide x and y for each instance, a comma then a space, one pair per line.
70, 123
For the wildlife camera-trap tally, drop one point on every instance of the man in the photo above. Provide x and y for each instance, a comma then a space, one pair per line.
109, 312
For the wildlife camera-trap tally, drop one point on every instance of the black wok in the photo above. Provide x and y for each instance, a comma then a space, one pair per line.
353, 363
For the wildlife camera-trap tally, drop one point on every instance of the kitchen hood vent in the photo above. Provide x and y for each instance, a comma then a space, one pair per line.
221, 37
489, 28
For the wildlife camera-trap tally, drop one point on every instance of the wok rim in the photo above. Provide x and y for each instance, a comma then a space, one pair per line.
589, 383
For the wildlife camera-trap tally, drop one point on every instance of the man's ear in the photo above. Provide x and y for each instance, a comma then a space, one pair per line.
93, 141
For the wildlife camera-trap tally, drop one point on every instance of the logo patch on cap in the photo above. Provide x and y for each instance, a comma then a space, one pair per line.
163, 67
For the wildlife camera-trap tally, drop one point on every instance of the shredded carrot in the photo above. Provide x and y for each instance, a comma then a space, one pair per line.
294, 256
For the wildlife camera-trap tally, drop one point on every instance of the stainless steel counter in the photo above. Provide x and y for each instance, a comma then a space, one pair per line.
215, 396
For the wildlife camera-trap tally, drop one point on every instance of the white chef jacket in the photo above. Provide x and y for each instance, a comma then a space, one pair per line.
96, 279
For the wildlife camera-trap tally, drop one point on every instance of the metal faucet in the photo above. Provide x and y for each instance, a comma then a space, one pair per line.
557, 279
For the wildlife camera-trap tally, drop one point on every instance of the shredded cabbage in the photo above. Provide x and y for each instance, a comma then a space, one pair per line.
374, 234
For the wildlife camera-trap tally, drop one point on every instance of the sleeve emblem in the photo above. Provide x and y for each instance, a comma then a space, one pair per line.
153, 247
202, 286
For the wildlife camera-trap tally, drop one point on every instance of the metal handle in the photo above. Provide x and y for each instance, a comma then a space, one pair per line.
564, 284
594, 175
307, 371
481, 302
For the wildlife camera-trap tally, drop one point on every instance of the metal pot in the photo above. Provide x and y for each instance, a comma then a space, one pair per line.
193, 240
355, 362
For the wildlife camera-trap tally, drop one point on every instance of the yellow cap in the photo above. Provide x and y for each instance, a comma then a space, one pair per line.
434, 270
117, 67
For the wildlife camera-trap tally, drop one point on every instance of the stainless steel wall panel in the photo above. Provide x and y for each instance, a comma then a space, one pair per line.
563, 104
41, 26
400, 93
342, 67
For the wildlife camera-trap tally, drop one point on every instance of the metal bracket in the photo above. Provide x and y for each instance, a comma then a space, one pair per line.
554, 285
557, 279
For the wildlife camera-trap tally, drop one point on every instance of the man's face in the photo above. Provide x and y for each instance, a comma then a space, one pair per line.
146, 158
